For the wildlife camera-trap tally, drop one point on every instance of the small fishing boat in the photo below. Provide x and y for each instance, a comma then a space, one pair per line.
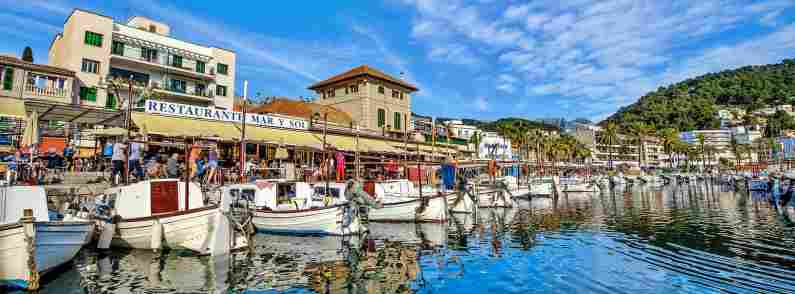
403, 202
157, 214
298, 207
541, 186
32, 243
498, 193
431, 208
574, 184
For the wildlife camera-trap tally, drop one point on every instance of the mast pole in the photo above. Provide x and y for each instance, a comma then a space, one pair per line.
243, 133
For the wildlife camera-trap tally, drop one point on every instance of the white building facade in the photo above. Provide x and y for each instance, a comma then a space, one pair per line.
99, 49
494, 146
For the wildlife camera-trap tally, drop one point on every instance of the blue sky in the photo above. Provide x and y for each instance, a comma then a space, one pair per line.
481, 59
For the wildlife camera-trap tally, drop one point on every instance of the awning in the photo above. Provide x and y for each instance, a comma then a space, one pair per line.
12, 107
281, 136
365, 145
107, 132
72, 113
184, 127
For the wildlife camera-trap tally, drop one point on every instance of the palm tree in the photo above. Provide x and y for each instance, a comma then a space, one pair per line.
670, 140
506, 131
642, 132
610, 138
735, 148
536, 139
475, 140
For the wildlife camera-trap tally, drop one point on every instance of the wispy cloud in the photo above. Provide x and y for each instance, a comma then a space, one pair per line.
481, 104
582, 52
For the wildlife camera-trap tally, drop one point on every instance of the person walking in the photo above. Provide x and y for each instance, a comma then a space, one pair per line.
68, 154
195, 152
212, 165
117, 160
135, 166
172, 166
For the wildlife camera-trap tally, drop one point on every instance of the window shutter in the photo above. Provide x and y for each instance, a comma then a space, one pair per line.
8, 79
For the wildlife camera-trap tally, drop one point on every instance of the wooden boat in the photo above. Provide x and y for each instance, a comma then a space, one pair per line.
541, 186
157, 214
298, 207
32, 243
425, 209
573, 184
402, 202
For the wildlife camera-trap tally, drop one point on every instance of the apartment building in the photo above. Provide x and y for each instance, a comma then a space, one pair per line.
143, 53
459, 130
376, 101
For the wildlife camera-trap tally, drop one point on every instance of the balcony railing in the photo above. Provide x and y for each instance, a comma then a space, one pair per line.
163, 60
47, 91
192, 92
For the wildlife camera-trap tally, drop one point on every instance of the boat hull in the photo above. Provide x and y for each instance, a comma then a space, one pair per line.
464, 205
409, 210
54, 244
494, 199
321, 221
192, 230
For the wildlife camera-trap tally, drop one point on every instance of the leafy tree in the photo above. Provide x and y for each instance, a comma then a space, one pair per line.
27, 54
693, 103
609, 137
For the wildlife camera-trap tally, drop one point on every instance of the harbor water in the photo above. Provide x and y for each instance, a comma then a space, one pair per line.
677, 239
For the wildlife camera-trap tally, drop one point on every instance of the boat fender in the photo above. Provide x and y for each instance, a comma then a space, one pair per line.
157, 236
108, 230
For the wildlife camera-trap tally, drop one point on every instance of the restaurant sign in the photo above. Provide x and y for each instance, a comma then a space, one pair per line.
200, 112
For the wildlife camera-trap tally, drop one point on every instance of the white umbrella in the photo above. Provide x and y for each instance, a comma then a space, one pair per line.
31, 135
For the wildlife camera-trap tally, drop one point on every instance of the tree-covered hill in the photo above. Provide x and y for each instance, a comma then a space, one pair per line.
693, 103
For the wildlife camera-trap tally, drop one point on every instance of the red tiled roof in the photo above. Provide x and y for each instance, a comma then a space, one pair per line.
363, 70
296, 108
9, 60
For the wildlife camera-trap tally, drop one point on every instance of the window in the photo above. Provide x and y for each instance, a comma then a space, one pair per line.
381, 89
110, 103
200, 66
330, 93
117, 48
397, 121
178, 85
401, 95
176, 61
88, 94
90, 66
8, 79
220, 90
223, 69
394, 94
381, 117
149, 54
152, 29
93, 39
201, 89
353, 88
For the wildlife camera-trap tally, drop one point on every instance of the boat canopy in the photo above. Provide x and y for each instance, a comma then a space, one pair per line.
15, 199
147, 198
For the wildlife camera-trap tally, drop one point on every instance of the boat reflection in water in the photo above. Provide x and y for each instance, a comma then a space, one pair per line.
696, 238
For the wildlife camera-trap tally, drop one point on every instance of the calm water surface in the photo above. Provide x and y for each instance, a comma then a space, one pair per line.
695, 239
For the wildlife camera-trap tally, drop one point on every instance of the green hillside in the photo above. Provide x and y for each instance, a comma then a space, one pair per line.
693, 103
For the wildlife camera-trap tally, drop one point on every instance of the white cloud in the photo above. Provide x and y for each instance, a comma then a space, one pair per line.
609, 51
481, 104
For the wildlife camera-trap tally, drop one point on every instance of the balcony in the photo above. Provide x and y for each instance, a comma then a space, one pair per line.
132, 57
48, 93
190, 93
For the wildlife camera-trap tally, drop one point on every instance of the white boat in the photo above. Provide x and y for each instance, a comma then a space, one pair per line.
31, 243
298, 207
460, 203
573, 184
541, 186
431, 208
490, 197
157, 214
403, 202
